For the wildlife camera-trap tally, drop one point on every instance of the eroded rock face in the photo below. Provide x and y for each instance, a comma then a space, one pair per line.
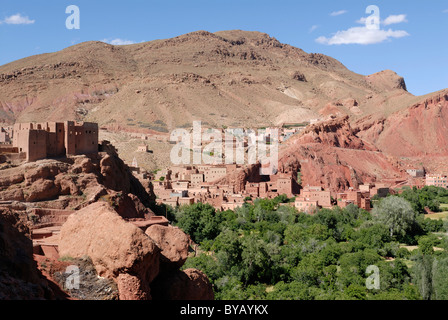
115, 246
19, 276
42, 190
134, 260
78, 181
114, 174
174, 244
418, 131
190, 284
131, 288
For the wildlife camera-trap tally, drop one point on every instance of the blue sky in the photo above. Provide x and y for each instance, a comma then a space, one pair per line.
411, 39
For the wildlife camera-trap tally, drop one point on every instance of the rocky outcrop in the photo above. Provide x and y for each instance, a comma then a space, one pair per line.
418, 131
334, 133
174, 244
76, 182
190, 284
332, 155
114, 245
19, 277
134, 260
387, 80
130, 287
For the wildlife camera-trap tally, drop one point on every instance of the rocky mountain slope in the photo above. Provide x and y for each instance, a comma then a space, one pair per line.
419, 130
233, 78
332, 155
99, 204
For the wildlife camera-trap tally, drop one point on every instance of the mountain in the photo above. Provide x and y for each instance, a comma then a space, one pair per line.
330, 154
235, 79
232, 78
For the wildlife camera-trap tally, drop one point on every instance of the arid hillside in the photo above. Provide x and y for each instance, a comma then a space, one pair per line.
332, 155
232, 78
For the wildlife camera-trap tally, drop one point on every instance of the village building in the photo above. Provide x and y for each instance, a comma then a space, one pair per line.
356, 197
306, 206
214, 173
316, 194
312, 198
6, 134
437, 180
416, 173
55, 139
142, 148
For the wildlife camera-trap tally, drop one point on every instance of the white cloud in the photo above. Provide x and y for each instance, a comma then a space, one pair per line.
313, 28
338, 13
362, 20
395, 19
361, 35
118, 42
445, 11
392, 19
17, 19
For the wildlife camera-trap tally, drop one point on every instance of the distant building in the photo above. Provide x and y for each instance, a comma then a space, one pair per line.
142, 148
437, 180
416, 173
134, 163
306, 205
55, 139
323, 198
356, 197
5, 135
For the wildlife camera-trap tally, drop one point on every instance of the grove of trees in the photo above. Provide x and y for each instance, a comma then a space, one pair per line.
268, 250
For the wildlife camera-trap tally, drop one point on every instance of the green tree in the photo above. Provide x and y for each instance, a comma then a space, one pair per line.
396, 214
199, 220
422, 275
255, 259
440, 278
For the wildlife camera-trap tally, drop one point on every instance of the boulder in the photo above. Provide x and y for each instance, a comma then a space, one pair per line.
11, 179
44, 171
83, 165
131, 288
42, 190
190, 284
114, 173
174, 244
12, 195
114, 245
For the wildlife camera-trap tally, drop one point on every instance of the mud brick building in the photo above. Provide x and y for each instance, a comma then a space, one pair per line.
55, 139
437, 180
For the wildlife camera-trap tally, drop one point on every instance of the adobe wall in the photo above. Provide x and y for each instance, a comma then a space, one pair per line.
55, 137
81, 137
8, 149
37, 145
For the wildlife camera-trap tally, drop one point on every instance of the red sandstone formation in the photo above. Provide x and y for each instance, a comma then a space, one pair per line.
190, 284
114, 245
130, 287
174, 244
331, 155
419, 130
77, 182
328, 154
19, 276
122, 251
